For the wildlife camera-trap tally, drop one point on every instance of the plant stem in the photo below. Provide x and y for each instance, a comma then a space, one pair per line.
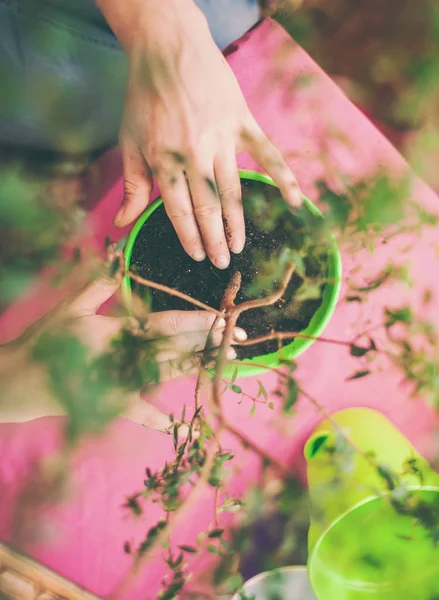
284, 335
171, 292
176, 518
268, 300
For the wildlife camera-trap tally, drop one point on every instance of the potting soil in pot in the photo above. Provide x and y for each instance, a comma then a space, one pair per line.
271, 230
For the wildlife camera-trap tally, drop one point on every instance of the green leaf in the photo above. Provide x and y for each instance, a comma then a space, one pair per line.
201, 536
389, 476
197, 413
271, 405
133, 504
213, 549
261, 391
226, 545
188, 549
236, 388
252, 410
234, 582
292, 396
359, 351
215, 533
359, 375
114, 267
175, 436
121, 244
401, 315
339, 205
231, 505
235, 374
178, 561
296, 259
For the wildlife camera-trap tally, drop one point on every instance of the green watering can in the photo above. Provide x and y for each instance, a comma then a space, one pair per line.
368, 541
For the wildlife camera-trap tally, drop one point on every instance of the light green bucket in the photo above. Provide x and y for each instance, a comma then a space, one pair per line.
360, 547
286, 583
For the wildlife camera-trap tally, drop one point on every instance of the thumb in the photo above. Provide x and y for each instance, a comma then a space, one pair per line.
91, 297
137, 182
146, 414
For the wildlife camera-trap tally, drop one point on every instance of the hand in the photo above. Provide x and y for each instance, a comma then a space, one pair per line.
185, 119
178, 336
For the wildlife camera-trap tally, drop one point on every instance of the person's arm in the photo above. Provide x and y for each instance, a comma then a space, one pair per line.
178, 338
185, 119
25, 393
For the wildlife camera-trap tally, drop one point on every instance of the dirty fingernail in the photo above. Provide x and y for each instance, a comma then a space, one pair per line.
231, 354
199, 255
239, 334
221, 262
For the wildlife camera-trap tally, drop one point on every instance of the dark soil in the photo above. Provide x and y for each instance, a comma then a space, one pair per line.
159, 256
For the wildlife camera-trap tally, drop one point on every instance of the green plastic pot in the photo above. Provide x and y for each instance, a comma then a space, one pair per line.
360, 546
286, 583
318, 322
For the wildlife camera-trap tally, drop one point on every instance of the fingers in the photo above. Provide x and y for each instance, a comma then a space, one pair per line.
97, 331
150, 416
178, 205
271, 160
208, 213
229, 190
186, 331
174, 367
137, 183
173, 322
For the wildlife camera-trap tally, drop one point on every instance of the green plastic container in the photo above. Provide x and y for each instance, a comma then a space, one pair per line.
286, 583
360, 547
318, 322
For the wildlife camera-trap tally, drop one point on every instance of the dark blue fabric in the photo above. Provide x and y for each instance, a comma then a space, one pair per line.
62, 72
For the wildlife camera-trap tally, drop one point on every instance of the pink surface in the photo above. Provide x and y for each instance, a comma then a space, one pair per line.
88, 530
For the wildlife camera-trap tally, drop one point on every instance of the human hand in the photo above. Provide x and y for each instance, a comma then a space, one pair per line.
185, 119
178, 338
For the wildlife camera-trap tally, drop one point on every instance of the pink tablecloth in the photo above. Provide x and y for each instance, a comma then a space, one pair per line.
88, 530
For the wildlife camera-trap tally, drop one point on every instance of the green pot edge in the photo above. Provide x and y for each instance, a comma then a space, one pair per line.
318, 322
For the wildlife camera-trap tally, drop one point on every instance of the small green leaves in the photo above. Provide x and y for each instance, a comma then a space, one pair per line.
215, 533
291, 396
359, 351
133, 504
261, 391
188, 549
114, 267
232, 505
401, 315
389, 476
359, 375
